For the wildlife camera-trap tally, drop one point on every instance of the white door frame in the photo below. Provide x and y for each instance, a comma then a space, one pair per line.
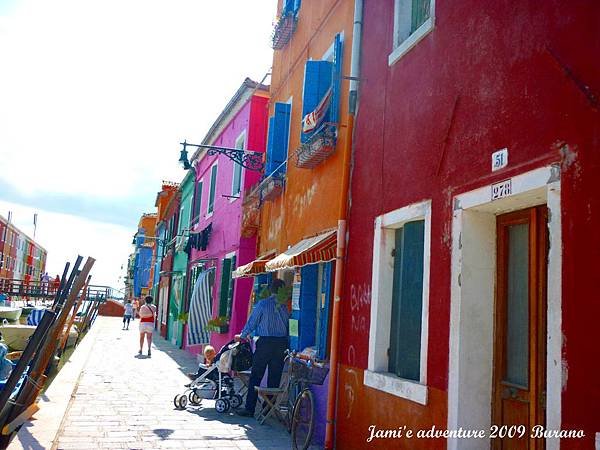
472, 294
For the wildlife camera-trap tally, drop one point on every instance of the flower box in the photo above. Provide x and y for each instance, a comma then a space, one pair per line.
320, 146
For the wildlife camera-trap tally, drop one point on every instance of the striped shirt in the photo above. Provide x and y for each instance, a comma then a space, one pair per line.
268, 318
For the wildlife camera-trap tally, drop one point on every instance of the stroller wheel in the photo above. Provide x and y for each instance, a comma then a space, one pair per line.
194, 398
181, 401
236, 401
176, 400
222, 405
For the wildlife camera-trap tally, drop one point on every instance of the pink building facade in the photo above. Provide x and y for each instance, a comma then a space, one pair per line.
221, 186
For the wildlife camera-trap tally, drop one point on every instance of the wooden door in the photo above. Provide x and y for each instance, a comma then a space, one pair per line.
519, 398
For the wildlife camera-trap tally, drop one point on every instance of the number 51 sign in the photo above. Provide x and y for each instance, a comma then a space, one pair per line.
499, 159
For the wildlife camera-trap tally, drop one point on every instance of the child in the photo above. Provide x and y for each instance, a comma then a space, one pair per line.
209, 358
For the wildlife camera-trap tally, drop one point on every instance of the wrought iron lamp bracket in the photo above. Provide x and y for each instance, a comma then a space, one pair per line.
248, 159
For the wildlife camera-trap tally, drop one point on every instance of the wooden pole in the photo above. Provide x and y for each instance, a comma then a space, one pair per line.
65, 336
29, 393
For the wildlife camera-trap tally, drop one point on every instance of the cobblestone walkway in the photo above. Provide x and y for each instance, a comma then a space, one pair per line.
123, 401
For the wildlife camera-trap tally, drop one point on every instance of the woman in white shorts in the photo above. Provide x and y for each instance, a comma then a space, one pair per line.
147, 314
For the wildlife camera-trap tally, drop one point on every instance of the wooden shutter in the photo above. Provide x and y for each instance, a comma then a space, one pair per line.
317, 80
308, 306
338, 52
230, 287
277, 147
224, 291
407, 302
323, 304
419, 13
213, 188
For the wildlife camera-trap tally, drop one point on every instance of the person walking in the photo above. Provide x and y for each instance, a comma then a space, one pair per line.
269, 321
128, 314
147, 314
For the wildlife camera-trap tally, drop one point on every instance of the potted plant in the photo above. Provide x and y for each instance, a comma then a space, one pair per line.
218, 324
183, 317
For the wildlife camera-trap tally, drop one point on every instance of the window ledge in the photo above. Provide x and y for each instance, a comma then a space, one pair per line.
399, 387
410, 41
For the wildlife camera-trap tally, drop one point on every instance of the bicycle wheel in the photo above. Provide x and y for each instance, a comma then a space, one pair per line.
303, 420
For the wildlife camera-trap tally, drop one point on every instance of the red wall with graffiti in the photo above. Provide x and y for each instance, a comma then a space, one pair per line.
489, 75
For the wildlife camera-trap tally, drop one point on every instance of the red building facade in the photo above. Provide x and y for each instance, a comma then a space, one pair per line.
473, 247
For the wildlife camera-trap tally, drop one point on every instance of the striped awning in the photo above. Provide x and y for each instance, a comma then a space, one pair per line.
319, 248
252, 268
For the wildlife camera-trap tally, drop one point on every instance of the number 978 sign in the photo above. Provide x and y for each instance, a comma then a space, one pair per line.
501, 189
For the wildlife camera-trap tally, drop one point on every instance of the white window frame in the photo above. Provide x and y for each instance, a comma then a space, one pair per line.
404, 41
377, 375
240, 139
210, 213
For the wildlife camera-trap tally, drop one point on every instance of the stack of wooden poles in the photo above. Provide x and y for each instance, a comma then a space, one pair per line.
18, 404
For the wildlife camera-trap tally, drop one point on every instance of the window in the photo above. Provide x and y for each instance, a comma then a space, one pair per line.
397, 361
413, 20
197, 202
212, 191
236, 185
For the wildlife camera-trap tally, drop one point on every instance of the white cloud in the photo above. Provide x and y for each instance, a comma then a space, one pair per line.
96, 95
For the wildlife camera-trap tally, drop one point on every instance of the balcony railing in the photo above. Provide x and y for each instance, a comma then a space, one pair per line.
320, 146
283, 30
250, 212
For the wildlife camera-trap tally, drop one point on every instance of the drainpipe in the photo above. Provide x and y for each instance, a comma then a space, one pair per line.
342, 228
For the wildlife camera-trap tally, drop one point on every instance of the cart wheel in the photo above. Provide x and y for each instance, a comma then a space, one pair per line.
176, 400
222, 405
182, 403
194, 398
236, 401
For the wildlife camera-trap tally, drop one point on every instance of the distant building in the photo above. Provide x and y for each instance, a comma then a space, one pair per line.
143, 269
21, 258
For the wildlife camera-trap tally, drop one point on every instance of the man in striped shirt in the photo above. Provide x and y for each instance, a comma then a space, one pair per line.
269, 321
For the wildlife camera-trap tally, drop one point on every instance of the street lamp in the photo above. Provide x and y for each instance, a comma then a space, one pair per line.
245, 158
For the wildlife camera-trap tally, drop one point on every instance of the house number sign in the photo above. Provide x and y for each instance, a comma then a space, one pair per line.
499, 159
501, 189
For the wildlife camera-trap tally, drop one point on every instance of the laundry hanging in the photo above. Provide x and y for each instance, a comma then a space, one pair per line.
200, 310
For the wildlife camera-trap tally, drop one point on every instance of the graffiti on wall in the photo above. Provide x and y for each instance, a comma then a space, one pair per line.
360, 307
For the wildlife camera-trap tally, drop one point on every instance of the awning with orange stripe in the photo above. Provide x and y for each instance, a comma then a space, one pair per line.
319, 248
251, 269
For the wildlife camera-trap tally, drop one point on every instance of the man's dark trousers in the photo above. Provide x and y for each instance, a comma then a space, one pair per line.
270, 352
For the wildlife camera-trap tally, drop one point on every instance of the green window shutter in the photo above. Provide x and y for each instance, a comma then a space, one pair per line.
419, 14
213, 189
230, 287
407, 301
224, 293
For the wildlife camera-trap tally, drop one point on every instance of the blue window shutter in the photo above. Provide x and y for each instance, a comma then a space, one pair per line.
269, 163
338, 51
407, 301
308, 306
317, 80
280, 137
326, 286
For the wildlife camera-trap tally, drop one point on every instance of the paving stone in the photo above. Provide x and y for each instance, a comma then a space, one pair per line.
124, 402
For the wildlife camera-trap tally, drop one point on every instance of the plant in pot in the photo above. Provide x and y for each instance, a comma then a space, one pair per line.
218, 324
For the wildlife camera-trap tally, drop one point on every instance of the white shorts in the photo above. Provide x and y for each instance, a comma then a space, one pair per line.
146, 327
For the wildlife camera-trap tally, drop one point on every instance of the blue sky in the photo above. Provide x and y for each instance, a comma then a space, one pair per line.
96, 96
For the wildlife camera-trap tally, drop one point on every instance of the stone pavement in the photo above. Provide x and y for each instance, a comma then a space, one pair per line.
120, 401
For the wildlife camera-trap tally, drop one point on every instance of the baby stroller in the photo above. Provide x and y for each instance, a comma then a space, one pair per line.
216, 382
